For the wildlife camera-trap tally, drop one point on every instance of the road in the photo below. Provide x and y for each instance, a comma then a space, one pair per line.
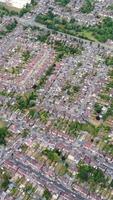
46, 180
30, 170
8, 152
31, 22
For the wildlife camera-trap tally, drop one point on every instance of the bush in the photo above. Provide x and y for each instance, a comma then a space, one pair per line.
88, 6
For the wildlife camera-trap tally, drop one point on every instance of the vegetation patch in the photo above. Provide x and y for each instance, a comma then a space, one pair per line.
62, 2
110, 7
53, 155
93, 177
3, 133
44, 77
8, 28
64, 50
6, 12
61, 166
109, 61
4, 179
26, 56
47, 194
74, 128
88, 6
71, 89
26, 101
101, 32
43, 116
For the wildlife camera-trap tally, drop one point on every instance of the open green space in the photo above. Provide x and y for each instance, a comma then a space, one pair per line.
100, 32
87, 35
91, 176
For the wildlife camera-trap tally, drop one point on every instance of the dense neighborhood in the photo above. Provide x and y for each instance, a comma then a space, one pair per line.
56, 100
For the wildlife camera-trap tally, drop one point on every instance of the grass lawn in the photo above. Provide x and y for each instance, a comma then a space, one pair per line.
61, 169
87, 35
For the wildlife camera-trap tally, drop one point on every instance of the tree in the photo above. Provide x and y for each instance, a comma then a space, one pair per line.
47, 194
98, 108
3, 133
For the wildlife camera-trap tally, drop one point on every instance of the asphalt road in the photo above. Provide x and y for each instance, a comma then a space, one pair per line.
76, 195
31, 22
